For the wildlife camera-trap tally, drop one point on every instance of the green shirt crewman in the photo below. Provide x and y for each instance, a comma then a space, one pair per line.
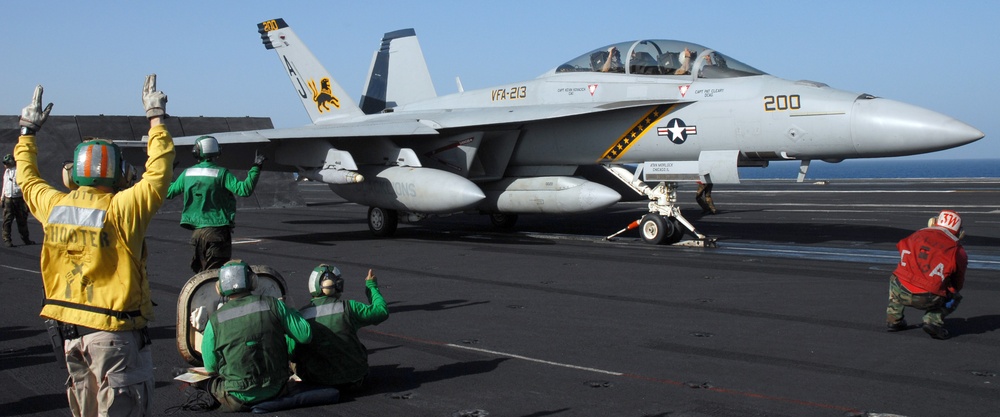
336, 357
210, 194
245, 344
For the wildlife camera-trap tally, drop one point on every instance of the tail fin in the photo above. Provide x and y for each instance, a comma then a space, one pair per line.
401, 80
322, 97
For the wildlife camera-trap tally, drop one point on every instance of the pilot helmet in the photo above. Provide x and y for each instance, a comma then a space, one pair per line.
685, 56
205, 147
236, 277
325, 280
97, 162
950, 221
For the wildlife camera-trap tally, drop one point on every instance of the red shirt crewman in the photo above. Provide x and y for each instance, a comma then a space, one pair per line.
930, 274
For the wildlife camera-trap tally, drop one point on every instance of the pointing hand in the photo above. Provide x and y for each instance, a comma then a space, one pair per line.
32, 116
155, 102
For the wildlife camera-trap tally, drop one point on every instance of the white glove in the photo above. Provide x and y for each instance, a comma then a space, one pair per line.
32, 116
155, 102
199, 319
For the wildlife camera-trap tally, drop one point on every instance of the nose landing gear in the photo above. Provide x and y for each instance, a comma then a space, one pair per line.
664, 224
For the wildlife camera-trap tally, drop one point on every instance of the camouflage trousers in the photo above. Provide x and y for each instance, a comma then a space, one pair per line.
704, 198
933, 305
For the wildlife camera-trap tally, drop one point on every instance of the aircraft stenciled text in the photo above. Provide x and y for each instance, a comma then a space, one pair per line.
270, 25
513, 93
294, 74
392, 189
782, 103
571, 90
708, 92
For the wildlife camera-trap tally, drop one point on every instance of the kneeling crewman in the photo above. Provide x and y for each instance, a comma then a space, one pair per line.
245, 341
930, 274
336, 357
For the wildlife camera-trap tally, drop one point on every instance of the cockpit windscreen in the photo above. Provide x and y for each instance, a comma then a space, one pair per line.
659, 57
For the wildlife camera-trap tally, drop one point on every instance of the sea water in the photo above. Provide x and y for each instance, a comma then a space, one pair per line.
879, 168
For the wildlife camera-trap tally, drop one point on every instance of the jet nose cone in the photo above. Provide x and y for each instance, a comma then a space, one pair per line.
882, 127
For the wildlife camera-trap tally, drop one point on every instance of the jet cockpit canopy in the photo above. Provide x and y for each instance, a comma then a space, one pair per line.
659, 57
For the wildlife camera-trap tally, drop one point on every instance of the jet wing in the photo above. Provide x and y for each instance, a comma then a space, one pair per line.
419, 123
341, 129
473, 117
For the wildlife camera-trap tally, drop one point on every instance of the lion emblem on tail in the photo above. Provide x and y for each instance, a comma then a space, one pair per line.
324, 96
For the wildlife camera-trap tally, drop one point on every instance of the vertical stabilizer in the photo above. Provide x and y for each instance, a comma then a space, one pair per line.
400, 80
322, 97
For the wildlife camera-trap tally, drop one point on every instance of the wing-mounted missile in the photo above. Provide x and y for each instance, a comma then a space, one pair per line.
334, 176
318, 160
411, 189
338, 168
546, 195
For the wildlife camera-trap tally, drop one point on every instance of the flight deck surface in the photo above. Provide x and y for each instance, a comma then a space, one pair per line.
786, 317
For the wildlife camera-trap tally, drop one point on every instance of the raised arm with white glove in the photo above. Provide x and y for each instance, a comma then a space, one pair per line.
32, 116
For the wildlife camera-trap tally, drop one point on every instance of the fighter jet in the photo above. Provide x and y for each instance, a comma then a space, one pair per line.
652, 113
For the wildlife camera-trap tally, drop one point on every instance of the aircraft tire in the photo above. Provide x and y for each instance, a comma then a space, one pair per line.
200, 288
503, 221
655, 229
382, 222
677, 231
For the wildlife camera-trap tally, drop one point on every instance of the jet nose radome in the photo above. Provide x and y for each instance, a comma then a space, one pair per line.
882, 127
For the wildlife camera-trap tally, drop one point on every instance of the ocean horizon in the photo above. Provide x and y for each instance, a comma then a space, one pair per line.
879, 168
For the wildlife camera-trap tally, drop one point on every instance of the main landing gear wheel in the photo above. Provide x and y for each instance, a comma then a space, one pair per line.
382, 222
199, 291
678, 233
659, 230
503, 221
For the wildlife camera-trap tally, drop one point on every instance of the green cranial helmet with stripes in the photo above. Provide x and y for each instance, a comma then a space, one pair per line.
97, 162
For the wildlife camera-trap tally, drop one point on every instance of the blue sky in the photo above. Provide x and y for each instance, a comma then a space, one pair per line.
92, 56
